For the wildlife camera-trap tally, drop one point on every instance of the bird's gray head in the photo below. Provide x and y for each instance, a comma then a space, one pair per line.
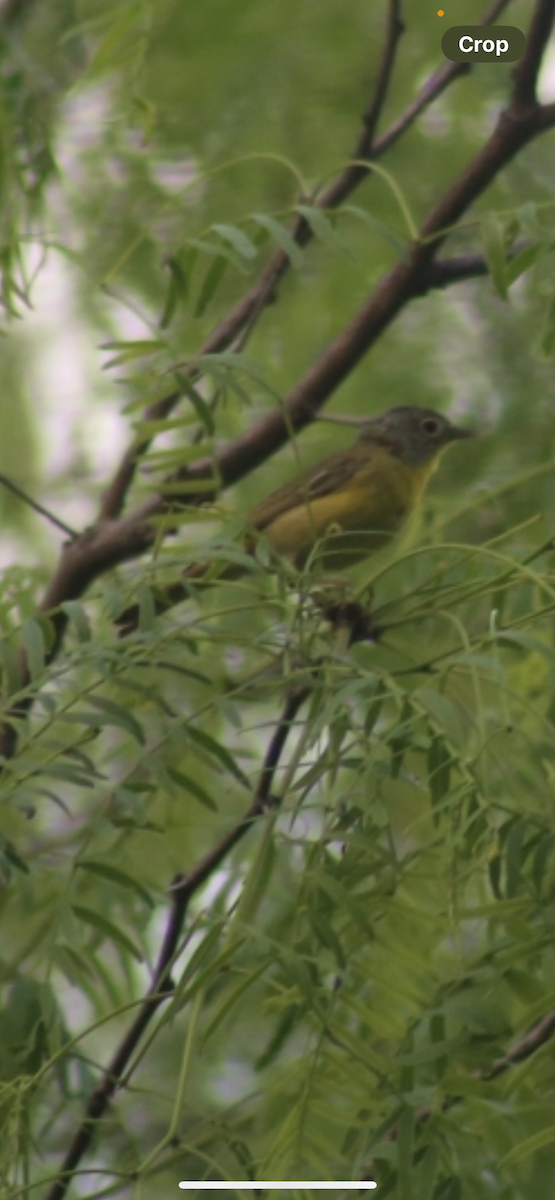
415, 435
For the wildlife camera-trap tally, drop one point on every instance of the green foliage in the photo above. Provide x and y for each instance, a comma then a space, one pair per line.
393, 934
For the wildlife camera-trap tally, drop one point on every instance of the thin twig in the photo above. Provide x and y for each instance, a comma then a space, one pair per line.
524, 1048
432, 89
34, 504
537, 1036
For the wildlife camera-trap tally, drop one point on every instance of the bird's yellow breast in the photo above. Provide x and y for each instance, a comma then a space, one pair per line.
357, 518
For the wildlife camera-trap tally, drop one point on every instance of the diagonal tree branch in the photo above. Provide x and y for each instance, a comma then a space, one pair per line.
406, 280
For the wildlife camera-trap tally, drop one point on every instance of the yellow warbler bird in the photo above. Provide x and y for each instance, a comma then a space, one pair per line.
354, 501
347, 505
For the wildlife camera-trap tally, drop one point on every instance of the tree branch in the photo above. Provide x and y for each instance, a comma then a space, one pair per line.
432, 89
161, 989
401, 284
525, 75
444, 272
537, 1036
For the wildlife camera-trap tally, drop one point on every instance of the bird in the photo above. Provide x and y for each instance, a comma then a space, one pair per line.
353, 502
343, 508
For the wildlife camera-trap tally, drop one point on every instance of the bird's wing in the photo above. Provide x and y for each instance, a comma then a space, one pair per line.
331, 475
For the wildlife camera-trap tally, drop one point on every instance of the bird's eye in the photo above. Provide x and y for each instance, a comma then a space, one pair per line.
430, 425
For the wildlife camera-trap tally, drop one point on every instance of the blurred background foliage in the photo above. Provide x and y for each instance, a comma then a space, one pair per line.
372, 950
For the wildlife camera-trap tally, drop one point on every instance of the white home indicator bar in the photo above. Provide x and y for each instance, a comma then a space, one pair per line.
219, 1185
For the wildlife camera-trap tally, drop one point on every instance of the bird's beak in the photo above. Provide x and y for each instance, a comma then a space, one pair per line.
456, 433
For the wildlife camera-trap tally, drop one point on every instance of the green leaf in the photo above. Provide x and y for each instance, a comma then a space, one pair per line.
282, 237
232, 999
529, 1146
185, 488
442, 710
279, 1037
542, 857
326, 935
112, 932
123, 45
32, 638
75, 964
147, 607
210, 283
114, 714
200, 406
439, 768
448, 1189
190, 785
322, 229
405, 1145
493, 241
178, 289
15, 860
495, 865
215, 750
238, 239
79, 619
213, 249
345, 901
115, 875
401, 248
58, 770
527, 640
528, 221
197, 975
11, 667
129, 351
514, 854
521, 262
